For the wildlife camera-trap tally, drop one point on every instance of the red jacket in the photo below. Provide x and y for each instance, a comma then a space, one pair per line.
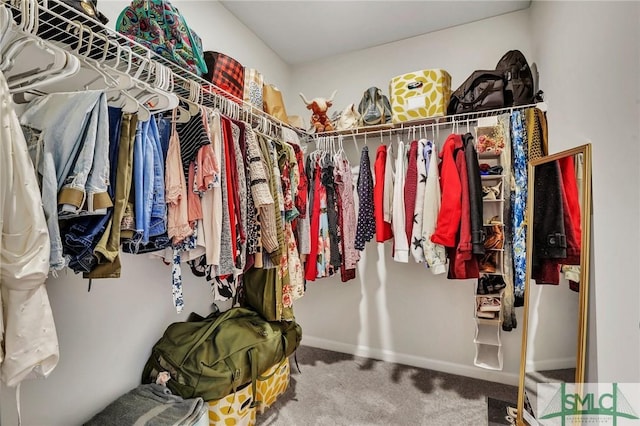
448, 222
462, 263
549, 271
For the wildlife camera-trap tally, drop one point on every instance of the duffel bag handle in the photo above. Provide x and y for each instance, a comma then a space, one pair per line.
231, 313
483, 95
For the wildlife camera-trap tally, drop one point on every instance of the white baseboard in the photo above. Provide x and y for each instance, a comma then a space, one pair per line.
551, 364
413, 360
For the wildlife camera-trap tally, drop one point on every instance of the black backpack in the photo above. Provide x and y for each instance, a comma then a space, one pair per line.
520, 84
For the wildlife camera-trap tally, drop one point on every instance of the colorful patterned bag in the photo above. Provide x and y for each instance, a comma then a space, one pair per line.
158, 25
226, 73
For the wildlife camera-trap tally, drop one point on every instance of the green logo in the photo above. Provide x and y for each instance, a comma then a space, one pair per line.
573, 405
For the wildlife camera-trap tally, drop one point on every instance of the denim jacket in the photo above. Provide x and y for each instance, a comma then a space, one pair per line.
148, 180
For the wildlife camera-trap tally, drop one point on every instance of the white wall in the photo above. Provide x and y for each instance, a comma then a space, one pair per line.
459, 50
399, 311
589, 54
106, 335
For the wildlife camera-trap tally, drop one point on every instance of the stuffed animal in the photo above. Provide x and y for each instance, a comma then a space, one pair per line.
320, 121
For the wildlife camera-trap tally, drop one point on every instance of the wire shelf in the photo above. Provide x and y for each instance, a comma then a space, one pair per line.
85, 37
446, 120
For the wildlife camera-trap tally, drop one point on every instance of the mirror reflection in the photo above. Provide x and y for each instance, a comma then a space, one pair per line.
555, 298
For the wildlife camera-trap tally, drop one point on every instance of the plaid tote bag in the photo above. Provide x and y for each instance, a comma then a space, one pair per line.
225, 73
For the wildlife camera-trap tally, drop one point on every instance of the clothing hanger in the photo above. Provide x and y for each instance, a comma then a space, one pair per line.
164, 99
154, 99
92, 64
340, 154
61, 65
64, 66
5, 24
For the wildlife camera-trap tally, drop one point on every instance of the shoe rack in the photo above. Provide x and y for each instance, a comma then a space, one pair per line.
489, 292
488, 316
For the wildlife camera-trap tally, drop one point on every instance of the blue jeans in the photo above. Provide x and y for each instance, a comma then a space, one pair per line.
74, 159
81, 234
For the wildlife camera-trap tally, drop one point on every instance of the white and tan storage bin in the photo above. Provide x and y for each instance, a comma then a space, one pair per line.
420, 94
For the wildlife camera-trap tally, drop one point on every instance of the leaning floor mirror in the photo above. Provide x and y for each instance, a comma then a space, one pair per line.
554, 337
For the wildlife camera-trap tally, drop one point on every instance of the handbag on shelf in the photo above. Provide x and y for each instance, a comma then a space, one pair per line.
349, 118
225, 73
374, 108
159, 26
274, 103
483, 90
253, 82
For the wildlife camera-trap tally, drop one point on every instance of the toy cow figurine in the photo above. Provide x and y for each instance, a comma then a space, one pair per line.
319, 106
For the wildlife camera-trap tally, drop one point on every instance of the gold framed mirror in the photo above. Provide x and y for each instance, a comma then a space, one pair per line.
554, 336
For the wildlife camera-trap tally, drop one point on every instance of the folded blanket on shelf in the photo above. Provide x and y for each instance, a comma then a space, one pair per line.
150, 404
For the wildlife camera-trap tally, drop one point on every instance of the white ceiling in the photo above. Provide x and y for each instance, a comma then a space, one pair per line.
305, 30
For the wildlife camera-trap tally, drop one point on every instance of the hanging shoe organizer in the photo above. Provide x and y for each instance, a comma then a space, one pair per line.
490, 290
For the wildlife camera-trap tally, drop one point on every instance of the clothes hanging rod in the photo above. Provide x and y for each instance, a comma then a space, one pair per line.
427, 123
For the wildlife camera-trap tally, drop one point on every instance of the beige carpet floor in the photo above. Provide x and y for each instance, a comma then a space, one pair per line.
340, 389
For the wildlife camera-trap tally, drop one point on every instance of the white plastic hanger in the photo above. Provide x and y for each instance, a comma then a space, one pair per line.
64, 66
5, 24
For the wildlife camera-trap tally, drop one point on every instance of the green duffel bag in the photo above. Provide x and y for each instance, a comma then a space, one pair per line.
213, 356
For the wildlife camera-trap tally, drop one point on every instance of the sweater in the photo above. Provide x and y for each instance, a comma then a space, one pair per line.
410, 189
150, 404
416, 235
435, 254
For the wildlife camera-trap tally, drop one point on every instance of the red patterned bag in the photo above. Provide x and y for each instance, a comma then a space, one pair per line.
226, 73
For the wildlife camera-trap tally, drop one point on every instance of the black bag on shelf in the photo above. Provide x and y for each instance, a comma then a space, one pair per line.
518, 77
483, 90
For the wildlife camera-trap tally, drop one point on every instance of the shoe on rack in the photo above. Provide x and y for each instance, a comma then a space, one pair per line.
496, 282
486, 314
489, 304
489, 262
495, 238
495, 220
491, 192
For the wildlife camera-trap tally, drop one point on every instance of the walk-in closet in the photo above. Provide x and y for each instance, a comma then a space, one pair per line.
142, 199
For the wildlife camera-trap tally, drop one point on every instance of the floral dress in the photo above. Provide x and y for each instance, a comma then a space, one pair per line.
519, 205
